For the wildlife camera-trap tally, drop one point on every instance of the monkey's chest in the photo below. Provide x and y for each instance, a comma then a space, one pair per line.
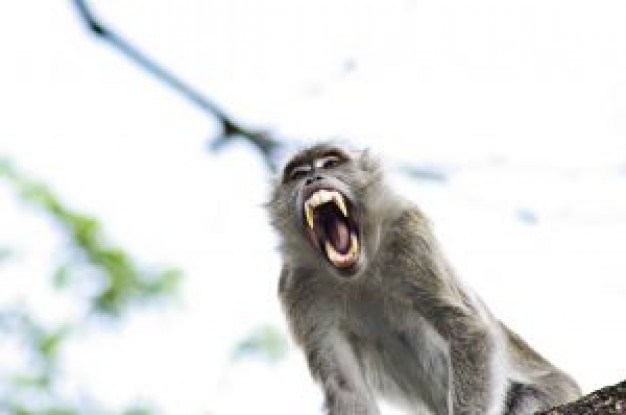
401, 355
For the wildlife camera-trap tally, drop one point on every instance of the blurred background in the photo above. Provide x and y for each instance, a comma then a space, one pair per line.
138, 271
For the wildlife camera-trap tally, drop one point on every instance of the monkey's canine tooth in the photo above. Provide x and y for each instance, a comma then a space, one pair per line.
319, 198
308, 211
354, 248
338, 199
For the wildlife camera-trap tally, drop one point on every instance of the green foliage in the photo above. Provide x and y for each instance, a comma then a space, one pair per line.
125, 282
266, 342
139, 409
90, 254
23, 410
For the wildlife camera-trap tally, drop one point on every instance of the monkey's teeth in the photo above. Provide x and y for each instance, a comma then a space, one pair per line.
324, 196
354, 247
338, 199
308, 211
343, 260
320, 197
335, 257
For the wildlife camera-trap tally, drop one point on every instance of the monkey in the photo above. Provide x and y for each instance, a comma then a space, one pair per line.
378, 311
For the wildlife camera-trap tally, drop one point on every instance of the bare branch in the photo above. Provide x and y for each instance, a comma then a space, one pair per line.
610, 400
267, 145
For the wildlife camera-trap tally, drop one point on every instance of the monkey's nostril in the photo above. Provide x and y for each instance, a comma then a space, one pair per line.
313, 179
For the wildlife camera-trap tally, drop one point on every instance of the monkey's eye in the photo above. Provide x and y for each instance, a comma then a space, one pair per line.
327, 162
298, 172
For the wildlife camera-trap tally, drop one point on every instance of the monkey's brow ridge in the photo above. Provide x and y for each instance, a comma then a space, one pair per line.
307, 157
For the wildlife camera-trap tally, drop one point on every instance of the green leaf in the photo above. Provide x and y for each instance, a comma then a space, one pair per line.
266, 342
62, 276
139, 409
125, 282
121, 284
50, 342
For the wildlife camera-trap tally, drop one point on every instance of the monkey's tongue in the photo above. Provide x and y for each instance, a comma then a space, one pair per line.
339, 236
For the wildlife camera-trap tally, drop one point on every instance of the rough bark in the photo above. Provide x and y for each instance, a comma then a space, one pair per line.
610, 400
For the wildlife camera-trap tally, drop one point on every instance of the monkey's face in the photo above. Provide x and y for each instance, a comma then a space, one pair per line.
320, 208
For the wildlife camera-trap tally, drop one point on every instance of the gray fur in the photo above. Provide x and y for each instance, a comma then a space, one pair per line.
402, 327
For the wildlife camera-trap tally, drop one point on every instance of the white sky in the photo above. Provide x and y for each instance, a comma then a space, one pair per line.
523, 102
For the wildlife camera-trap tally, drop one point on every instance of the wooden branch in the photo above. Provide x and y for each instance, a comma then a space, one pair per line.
610, 400
266, 144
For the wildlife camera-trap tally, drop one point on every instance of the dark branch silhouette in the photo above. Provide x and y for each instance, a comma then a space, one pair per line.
610, 400
267, 145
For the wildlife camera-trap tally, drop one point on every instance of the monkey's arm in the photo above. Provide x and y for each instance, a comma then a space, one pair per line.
475, 377
333, 364
330, 358
476, 380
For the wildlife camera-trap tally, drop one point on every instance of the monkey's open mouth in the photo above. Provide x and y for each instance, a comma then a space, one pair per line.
332, 227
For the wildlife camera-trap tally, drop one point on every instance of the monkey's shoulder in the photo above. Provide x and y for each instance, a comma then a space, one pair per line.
409, 230
410, 216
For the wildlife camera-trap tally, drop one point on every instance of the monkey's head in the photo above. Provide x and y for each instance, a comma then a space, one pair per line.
327, 206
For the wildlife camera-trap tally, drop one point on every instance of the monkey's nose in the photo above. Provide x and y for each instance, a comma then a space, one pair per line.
313, 179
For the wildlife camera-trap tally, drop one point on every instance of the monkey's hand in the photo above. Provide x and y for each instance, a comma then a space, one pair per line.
348, 403
334, 365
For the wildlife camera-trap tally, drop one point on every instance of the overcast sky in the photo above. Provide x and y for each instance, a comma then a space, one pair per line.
520, 103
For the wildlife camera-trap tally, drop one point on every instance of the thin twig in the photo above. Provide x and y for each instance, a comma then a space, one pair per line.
267, 145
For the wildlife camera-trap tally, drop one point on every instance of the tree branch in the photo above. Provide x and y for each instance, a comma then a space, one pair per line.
267, 145
610, 400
